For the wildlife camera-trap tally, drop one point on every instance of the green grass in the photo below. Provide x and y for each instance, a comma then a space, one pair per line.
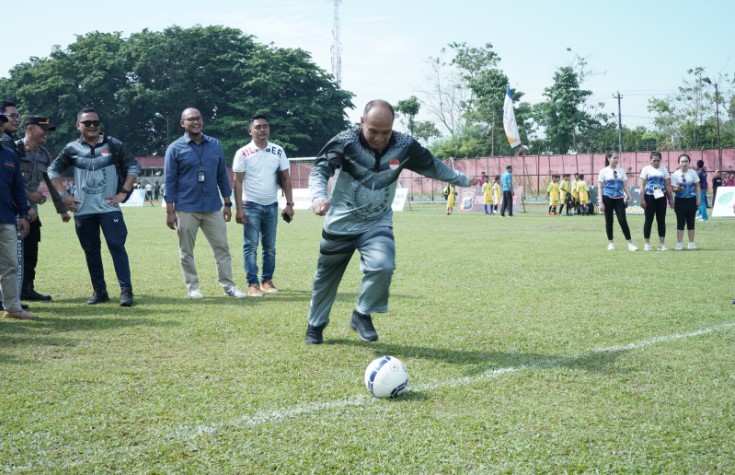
513, 332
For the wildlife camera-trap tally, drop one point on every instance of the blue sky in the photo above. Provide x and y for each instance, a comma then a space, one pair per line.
640, 48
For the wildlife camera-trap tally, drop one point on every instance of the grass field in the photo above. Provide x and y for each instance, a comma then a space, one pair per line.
530, 348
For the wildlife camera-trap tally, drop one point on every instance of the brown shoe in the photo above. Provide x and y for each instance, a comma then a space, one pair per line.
20, 315
254, 291
268, 287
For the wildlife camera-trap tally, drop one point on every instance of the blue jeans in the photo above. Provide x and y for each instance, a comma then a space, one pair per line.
113, 226
702, 210
262, 221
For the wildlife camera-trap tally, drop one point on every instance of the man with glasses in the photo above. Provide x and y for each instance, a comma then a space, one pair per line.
13, 221
8, 128
196, 185
11, 126
104, 174
258, 167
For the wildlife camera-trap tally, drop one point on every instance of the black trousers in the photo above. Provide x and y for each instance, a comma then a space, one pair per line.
654, 208
30, 254
617, 207
686, 211
507, 203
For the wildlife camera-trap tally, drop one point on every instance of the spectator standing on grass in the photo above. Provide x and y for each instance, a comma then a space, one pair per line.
614, 198
655, 183
14, 209
487, 197
497, 189
716, 183
507, 181
575, 194
451, 198
563, 193
34, 163
196, 187
105, 171
583, 195
258, 167
702, 206
552, 192
156, 190
687, 196
358, 213
149, 193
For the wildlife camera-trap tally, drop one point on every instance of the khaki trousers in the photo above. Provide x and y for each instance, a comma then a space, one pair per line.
214, 228
9, 267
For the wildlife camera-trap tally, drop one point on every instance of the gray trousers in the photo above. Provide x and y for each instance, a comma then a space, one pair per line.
9, 267
214, 229
377, 262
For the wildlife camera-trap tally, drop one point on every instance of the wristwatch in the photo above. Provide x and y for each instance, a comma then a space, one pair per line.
229, 205
289, 203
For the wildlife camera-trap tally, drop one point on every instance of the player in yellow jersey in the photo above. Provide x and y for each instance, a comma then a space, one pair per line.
496, 193
583, 196
552, 191
487, 196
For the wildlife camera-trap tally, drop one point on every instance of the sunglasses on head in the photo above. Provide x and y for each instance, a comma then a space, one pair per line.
90, 123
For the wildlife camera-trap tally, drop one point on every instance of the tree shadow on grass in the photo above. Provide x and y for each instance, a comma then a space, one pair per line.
481, 362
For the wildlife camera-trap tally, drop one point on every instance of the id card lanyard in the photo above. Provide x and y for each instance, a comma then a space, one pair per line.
199, 150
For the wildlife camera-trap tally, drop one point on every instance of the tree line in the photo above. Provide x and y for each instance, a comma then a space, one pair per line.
467, 89
140, 84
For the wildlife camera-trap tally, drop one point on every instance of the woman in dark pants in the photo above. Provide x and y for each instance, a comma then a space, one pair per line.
685, 184
655, 185
615, 195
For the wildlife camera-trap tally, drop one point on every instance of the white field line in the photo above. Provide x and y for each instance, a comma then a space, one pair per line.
265, 417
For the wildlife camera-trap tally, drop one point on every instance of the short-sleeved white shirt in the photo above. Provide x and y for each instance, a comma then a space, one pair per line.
687, 181
655, 177
612, 182
260, 167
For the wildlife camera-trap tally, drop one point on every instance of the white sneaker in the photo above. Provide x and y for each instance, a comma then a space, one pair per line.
647, 247
235, 292
678, 247
662, 247
692, 245
196, 294
611, 247
632, 247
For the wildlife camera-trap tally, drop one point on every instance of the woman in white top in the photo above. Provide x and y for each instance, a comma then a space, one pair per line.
655, 185
614, 196
685, 184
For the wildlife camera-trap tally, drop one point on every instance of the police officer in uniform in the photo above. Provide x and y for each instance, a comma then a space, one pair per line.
34, 162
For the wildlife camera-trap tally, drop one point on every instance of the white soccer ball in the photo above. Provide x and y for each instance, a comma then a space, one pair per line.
386, 377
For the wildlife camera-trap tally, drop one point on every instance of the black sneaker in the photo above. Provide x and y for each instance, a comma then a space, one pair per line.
363, 325
314, 334
31, 294
99, 296
126, 298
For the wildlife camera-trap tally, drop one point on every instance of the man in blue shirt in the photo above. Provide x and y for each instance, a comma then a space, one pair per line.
13, 202
507, 181
196, 185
